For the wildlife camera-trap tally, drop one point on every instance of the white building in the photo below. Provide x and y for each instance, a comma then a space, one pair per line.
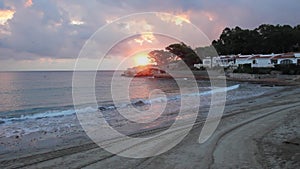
206, 62
287, 58
222, 61
226, 61
263, 61
258, 61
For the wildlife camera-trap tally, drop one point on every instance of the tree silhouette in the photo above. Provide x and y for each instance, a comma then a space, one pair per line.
185, 53
264, 39
161, 57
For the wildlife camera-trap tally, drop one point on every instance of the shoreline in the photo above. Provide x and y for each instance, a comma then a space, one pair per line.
276, 80
82, 146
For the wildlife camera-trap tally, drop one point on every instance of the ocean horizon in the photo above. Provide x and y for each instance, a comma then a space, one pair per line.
42, 96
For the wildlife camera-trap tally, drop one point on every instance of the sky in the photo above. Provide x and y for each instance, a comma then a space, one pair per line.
50, 34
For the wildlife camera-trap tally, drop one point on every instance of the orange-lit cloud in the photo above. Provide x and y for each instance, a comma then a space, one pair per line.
145, 37
182, 18
60, 23
28, 3
177, 19
141, 27
6, 15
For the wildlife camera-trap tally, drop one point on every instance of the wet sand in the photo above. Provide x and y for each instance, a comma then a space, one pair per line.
261, 132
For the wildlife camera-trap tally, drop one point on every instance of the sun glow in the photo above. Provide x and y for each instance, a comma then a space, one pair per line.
141, 59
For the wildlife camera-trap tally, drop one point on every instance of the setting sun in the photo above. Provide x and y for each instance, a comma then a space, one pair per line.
141, 59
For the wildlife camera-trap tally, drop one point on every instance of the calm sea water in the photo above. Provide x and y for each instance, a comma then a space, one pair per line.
24, 93
29, 101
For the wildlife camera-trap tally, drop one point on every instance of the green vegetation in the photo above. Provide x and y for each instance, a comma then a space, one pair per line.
264, 39
161, 57
206, 51
246, 68
185, 53
290, 69
174, 52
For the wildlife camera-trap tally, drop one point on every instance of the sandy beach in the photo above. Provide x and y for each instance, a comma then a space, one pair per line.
261, 132
149, 84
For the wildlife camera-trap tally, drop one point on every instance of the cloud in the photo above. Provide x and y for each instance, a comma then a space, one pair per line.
178, 20
76, 22
145, 37
42, 30
58, 29
6, 15
28, 3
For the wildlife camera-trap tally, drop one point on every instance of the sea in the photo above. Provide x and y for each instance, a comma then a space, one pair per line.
42, 100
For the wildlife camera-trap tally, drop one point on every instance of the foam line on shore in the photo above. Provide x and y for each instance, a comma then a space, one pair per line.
140, 102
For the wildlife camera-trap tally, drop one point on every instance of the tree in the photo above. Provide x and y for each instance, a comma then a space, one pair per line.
185, 53
296, 39
207, 51
264, 39
161, 57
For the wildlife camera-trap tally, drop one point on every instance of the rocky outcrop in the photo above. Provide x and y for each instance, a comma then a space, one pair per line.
143, 71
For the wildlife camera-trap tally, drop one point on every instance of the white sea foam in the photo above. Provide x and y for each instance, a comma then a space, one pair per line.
59, 113
47, 114
25, 124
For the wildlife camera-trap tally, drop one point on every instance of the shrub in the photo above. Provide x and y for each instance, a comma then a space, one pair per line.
289, 69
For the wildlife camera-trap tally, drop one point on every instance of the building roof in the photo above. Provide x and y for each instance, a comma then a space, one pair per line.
261, 56
284, 56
